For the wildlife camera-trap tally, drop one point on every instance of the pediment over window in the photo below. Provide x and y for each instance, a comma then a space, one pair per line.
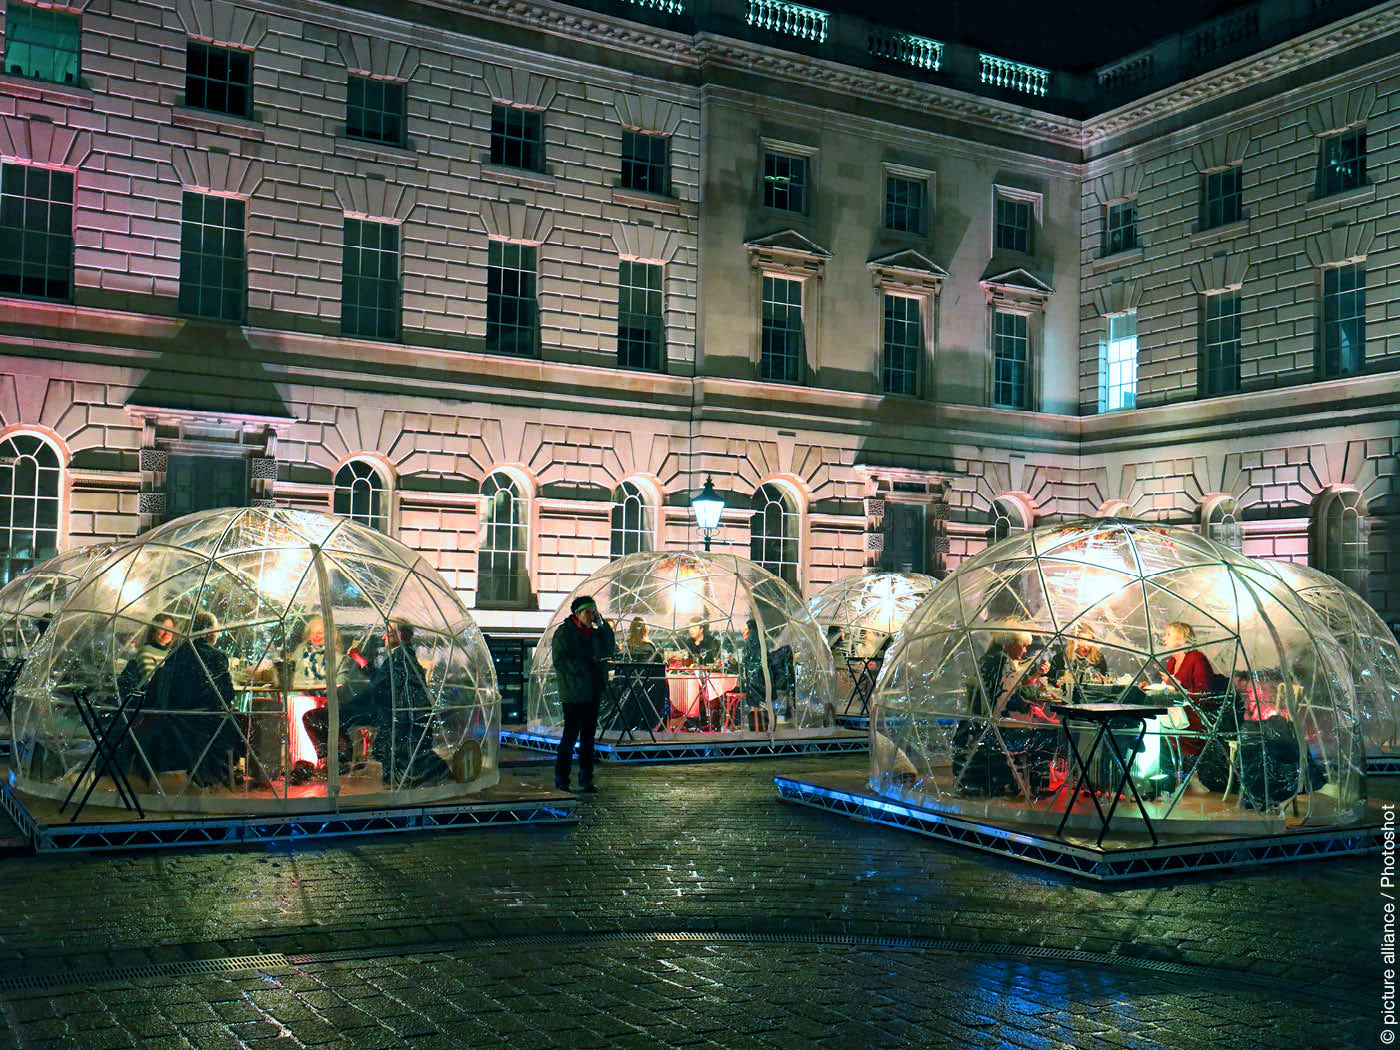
907, 269
787, 250
1016, 287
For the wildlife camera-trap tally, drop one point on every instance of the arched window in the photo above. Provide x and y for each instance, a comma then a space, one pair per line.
361, 495
30, 477
632, 520
1220, 521
503, 558
1339, 540
773, 532
1006, 517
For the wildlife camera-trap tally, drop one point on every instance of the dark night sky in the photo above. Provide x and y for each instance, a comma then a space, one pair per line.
1064, 35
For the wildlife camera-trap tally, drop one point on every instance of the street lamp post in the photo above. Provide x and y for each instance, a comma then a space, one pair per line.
708, 505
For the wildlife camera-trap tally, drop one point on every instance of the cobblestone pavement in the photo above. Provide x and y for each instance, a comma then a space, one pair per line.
547, 937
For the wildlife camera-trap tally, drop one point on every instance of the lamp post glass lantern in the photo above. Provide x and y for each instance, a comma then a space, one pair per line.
708, 506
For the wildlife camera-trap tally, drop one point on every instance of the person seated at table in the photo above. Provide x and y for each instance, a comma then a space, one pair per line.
751, 678
1078, 660
150, 654
637, 647
191, 698
702, 647
309, 668
981, 764
1188, 670
397, 708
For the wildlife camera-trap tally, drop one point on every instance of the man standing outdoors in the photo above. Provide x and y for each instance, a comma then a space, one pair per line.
580, 647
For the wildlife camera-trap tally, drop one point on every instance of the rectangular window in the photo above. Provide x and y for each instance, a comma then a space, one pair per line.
212, 278
219, 79
905, 529
904, 204
646, 162
374, 110
1120, 227
785, 182
1341, 162
640, 328
512, 314
781, 354
1118, 364
1013, 227
1011, 361
369, 289
517, 137
42, 42
1343, 320
1222, 201
36, 232
1220, 346
902, 345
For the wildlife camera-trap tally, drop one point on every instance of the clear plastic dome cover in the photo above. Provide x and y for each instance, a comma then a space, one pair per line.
251, 638
715, 643
860, 615
1368, 645
28, 602
1261, 721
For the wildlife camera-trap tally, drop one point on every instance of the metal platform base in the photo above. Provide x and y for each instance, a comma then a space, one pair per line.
860, 722
1383, 765
95, 835
702, 749
1083, 859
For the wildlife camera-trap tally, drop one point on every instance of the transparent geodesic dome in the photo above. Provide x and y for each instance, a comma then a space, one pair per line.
1260, 727
1368, 646
28, 602
859, 617
707, 642
279, 658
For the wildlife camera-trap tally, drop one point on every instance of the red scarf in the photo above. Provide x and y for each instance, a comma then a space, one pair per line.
587, 629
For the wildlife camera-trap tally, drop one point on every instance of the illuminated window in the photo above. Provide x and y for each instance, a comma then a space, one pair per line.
1005, 517
1011, 361
1220, 345
1118, 364
374, 110
1343, 320
517, 137
773, 533
42, 42
1341, 162
212, 280
903, 345
36, 232
781, 353
503, 557
30, 477
360, 495
904, 204
646, 162
640, 327
1120, 227
1222, 201
785, 182
512, 313
219, 79
632, 529
369, 304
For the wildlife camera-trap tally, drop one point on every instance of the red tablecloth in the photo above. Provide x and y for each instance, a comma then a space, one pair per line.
686, 686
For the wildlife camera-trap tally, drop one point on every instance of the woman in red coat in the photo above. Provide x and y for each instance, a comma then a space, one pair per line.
1190, 671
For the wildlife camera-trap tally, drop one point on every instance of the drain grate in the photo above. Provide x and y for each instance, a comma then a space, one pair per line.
233, 964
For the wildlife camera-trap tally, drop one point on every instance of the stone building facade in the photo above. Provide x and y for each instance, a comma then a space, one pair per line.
511, 280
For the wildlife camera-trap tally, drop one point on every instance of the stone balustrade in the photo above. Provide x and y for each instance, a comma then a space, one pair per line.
904, 48
1015, 76
779, 16
665, 7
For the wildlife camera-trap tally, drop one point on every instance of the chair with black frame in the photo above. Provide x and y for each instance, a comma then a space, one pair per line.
109, 748
636, 698
9, 675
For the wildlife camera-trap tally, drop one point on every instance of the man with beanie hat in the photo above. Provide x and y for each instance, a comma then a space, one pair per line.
581, 646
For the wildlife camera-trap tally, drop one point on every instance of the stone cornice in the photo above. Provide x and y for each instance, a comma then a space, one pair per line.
1246, 72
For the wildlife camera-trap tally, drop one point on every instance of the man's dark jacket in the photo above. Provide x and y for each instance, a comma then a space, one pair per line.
578, 661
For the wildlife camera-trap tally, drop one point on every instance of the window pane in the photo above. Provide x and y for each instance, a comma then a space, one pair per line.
212, 267
1220, 347
218, 78
359, 494
1118, 364
517, 137
43, 43
1013, 225
903, 345
640, 325
1343, 320
29, 487
782, 352
502, 556
785, 182
1011, 361
1120, 228
1342, 163
645, 162
904, 204
374, 110
370, 302
512, 318
36, 232
773, 536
